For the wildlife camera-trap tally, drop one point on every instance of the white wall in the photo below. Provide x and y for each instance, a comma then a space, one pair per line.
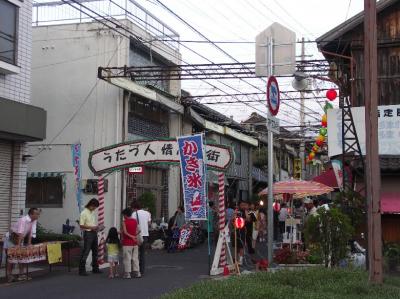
64, 72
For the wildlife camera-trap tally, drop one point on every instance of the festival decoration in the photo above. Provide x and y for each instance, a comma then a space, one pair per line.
323, 131
276, 206
331, 94
239, 222
324, 121
327, 107
315, 148
311, 155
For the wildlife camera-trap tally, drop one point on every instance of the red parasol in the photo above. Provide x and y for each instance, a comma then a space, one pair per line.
298, 188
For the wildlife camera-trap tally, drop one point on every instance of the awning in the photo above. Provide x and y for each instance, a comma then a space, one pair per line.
390, 203
328, 177
21, 122
50, 175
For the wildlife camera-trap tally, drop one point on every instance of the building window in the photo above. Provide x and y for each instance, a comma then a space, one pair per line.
8, 31
238, 152
44, 192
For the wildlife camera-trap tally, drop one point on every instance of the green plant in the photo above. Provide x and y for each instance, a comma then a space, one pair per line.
329, 231
353, 204
260, 157
315, 282
148, 200
391, 253
44, 235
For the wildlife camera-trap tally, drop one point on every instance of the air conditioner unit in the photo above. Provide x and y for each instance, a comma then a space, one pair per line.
90, 186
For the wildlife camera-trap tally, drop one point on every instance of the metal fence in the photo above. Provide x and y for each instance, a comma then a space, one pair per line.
46, 12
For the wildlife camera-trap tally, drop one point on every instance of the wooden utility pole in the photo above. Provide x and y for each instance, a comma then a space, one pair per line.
302, 119
372, 171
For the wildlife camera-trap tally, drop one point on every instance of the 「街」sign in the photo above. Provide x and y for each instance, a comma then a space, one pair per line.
136, 153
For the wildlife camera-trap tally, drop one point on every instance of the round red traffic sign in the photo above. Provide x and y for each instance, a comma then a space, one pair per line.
273, 96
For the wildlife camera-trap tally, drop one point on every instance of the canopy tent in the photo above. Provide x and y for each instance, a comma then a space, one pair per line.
298, 188
328, 177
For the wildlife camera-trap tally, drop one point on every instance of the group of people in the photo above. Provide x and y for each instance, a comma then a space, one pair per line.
131, 239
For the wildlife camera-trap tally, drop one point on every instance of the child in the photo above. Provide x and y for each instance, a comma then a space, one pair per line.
130, 247
113, 244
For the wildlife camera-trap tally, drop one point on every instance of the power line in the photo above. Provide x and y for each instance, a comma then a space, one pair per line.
219, 48
119, 25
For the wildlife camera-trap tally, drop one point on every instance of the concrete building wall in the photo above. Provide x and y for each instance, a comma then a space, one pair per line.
80, 108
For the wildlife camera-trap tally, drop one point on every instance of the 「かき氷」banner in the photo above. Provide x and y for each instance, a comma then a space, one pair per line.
193, 170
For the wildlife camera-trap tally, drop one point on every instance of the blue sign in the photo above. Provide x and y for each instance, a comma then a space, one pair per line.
76, 163
193, 176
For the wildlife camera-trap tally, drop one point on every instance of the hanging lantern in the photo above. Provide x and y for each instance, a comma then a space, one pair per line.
276, 206
320, 140
239, 222
331, 94
311, 156
323, 131
324, 121
327, 107
315, 148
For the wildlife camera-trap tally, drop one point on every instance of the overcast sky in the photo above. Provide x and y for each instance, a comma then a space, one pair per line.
242, 20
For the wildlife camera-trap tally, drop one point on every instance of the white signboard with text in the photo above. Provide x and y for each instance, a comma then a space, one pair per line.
388, 129
136, 153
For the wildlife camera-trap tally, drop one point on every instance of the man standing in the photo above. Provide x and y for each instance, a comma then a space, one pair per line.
21, 234
143, 218
87, 223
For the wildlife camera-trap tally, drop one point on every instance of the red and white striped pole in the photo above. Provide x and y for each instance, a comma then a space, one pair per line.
100, 195
221, 209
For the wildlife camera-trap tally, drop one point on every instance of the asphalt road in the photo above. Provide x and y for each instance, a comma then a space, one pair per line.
164, 273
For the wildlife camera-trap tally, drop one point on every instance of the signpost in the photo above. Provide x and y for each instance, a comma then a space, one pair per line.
273, 99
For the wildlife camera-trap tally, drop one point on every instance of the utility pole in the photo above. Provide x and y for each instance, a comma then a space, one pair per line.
302, 121
372, 171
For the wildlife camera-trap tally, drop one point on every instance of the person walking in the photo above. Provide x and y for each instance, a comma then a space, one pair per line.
143, 218
113, 245
283, 215
21, 234
88, 224
129, 242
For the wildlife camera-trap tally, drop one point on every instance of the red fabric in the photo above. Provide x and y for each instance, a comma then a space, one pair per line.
328, 177
131, 228
390, 202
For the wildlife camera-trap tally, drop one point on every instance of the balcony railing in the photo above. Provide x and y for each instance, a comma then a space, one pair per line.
79, 11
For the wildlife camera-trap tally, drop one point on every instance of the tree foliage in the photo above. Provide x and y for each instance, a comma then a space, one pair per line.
329, 231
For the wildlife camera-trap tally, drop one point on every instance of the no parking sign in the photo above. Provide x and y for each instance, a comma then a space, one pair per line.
273, 97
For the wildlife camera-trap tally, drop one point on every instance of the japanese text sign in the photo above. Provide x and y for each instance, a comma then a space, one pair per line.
193, 176
136, 153
388, 129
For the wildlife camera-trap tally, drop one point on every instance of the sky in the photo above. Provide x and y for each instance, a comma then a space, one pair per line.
242, 20
233, 25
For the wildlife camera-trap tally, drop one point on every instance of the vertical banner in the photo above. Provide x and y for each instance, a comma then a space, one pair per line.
297, 169
191, 156
76, 163
338, 170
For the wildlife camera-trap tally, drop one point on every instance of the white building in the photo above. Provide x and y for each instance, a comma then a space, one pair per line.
19, 121
83, 109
